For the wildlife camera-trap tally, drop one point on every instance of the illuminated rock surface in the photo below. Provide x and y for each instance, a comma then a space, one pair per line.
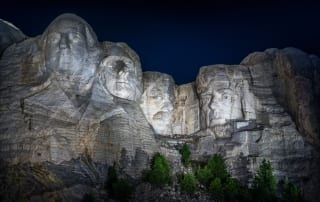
247, 124
76, 106
158, 101
57, 103
186, 111
10, 34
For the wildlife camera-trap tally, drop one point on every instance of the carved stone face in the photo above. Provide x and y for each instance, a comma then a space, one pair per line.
220, 100
158, 101
225, 104
120, 77
68, 42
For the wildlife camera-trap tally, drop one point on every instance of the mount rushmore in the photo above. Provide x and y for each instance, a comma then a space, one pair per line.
80, 105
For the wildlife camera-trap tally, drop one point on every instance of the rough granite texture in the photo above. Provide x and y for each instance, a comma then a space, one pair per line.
10, 34
56, 101
79, 105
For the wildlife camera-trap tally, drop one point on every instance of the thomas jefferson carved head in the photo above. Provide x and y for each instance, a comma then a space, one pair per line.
121, 77
158, 101
120, 72
70, 47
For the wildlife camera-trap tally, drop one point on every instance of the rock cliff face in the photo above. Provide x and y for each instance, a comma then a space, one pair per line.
243, 121
78, 106
295, 85
57, 101
10, 34
186, 111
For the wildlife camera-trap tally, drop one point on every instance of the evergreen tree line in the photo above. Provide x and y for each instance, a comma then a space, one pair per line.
213, 178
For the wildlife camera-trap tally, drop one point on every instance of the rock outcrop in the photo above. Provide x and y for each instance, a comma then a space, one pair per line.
186, 119
295, 85
246, 124
170, 109
158, 101
57, 102
9, 34
76, 106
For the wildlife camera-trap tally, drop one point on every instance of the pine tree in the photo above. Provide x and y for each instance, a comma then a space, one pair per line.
160, 173
188, 183
185, 155
264, 183
291, 193
218, 167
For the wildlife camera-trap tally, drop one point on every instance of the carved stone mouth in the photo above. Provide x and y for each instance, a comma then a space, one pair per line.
160, 115
122, 82
123, 86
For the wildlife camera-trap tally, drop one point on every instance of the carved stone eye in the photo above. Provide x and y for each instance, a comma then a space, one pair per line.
74, 38
225, 96
54, 38
155, 93
118, 66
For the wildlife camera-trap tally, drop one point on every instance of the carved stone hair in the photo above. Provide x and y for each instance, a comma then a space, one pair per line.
89, 33
225, 75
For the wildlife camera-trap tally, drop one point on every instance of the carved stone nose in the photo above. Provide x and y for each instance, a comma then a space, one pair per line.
212, 103
167, 105
123, 74
63, 43
170, 107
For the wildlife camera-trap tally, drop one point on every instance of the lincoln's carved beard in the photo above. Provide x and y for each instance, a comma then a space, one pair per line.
221, 104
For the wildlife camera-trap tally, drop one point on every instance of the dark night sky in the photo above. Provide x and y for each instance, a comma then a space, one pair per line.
178, 38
